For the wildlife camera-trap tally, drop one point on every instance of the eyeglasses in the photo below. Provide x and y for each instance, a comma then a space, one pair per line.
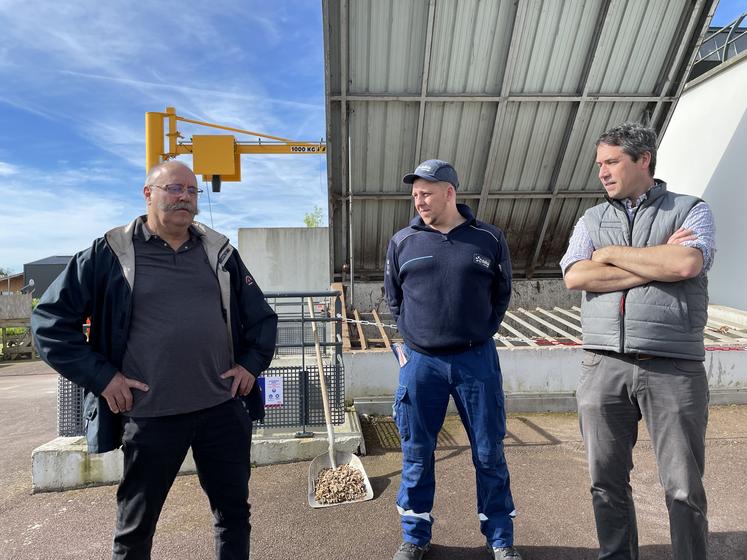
178, 189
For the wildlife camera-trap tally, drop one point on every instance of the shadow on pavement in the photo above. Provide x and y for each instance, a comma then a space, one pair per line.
722, 546
382, 482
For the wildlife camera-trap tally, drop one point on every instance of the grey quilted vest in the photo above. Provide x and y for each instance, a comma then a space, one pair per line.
658, 318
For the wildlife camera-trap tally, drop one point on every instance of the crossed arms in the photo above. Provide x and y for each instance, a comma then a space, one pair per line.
617, 267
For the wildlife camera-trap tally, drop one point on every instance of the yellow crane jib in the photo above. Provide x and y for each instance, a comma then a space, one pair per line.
217, 157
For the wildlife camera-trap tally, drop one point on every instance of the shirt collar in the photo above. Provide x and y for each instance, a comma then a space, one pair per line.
143, 233
638, 201
466, 212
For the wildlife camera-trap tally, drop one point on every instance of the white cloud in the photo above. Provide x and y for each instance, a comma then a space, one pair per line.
91, 71
7, 169
44, 216
60, 213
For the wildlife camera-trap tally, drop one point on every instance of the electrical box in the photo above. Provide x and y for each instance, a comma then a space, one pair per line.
216, 154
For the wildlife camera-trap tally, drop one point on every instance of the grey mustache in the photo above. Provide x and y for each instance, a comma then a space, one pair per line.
170, 207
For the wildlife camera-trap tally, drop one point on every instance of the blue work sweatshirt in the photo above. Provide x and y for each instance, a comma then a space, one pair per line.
448, 291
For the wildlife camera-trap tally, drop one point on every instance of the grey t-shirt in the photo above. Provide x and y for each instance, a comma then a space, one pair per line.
178, 341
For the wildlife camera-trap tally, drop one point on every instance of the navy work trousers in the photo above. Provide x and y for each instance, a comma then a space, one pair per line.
154, 449
473, 379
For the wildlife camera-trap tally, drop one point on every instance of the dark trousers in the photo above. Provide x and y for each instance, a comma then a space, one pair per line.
614, 392
154, 449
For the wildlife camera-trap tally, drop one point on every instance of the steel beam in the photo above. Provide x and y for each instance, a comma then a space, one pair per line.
506, 194
424, 82
347, 251
500, 113
517, 98
703, 19
571, 126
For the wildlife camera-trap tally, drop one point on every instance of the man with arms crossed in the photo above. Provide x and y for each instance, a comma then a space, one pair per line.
641, 259
179, 333
448, 283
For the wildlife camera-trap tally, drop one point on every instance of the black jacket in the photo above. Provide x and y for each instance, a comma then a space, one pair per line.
97, 283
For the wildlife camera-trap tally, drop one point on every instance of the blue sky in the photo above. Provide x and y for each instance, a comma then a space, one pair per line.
78, 77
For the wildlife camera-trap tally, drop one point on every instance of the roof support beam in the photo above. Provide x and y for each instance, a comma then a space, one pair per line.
347, 249
517, 98
698, 17
506, 194
424, 83
495, 141
331, 204
577, 119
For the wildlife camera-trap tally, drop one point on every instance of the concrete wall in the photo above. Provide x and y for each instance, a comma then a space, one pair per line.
287, 259
526, 293
703, 153
535, 373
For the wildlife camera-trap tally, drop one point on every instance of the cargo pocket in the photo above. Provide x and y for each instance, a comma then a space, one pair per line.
399, 412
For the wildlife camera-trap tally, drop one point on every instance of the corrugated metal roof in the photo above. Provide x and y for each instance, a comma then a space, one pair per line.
512, 92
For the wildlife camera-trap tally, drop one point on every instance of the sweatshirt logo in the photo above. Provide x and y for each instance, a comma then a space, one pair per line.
482, 261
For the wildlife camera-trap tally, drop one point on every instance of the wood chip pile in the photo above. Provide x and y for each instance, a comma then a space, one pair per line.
343, 484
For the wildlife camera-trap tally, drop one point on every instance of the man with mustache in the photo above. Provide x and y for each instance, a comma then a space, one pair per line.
448, 284
179, 332
641, 258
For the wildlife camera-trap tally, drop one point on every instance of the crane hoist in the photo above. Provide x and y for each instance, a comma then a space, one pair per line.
217, 157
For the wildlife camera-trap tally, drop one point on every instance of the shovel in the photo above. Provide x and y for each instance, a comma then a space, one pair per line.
331, 459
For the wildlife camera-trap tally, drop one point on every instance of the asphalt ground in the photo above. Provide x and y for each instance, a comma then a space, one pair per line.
544, 453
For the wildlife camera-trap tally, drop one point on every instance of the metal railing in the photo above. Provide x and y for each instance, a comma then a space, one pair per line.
724, 43
302, 398
294, 365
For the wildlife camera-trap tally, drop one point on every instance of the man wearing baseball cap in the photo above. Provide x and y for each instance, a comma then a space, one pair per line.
448, 284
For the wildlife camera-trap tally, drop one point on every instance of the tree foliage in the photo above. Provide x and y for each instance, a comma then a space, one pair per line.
314, 218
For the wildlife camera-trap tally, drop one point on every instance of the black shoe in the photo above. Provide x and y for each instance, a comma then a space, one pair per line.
409, 551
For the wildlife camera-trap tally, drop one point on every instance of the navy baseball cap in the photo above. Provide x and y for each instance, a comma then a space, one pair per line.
433, 170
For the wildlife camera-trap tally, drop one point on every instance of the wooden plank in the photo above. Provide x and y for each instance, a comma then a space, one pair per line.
381, 329
361, 336
560, 320
550, 325
531, 327
715, 333
338, 287
568, 313
726, 328
518, 334
502, 340
722, 338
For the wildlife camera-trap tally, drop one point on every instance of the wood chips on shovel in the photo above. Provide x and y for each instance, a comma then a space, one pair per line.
343, 484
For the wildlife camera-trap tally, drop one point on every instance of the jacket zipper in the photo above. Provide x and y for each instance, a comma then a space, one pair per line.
218, 264
625, 292
219, 261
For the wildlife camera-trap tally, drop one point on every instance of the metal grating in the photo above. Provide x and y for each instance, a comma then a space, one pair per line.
302, 397
69, 408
